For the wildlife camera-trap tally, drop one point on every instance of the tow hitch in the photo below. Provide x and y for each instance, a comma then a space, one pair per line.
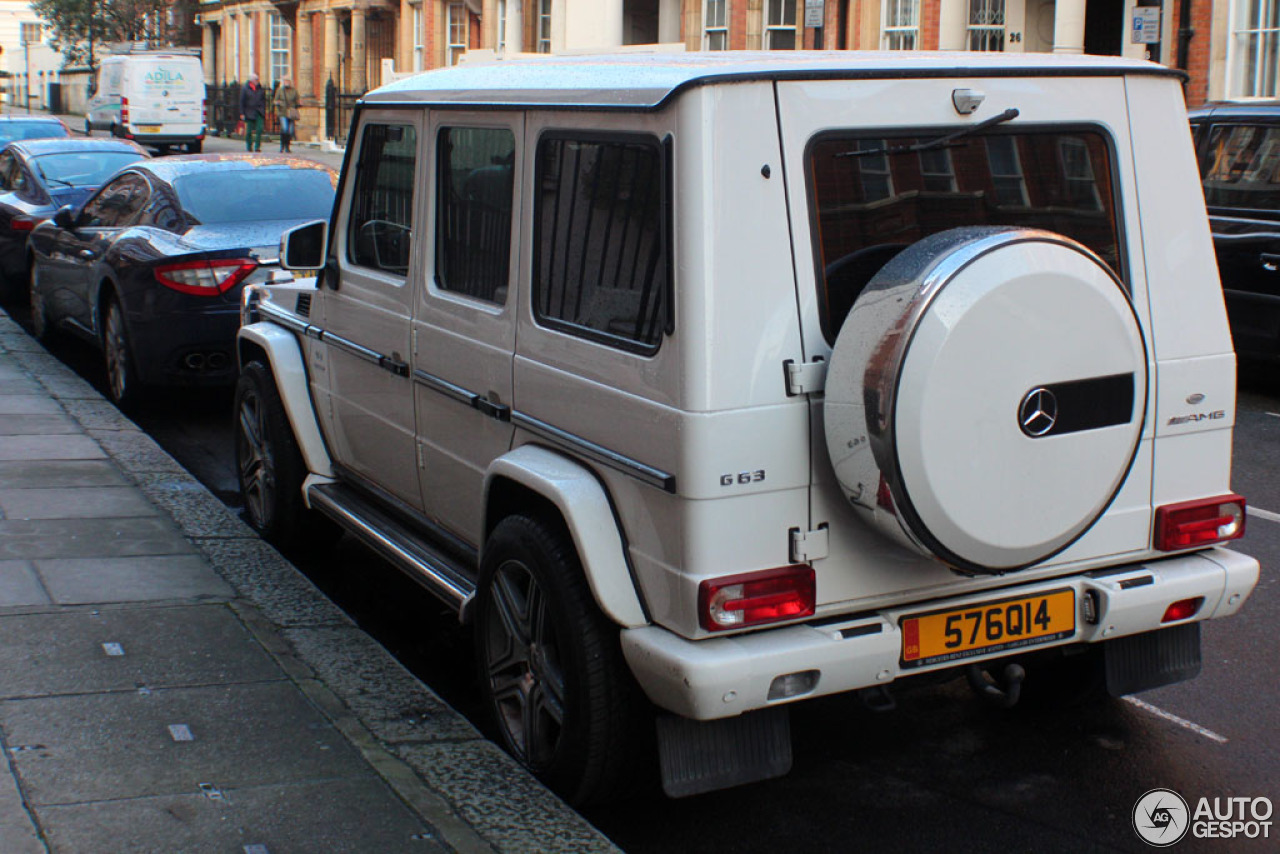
1003, 690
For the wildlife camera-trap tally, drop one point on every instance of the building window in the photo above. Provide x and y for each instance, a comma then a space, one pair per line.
419, 49
1255, 49
780, 25
936, 171
281, 39
1006, 171
456, 26
235, 47
544, 26
986, 25
502, 27
1077, 173
601, 264
473, 211
901, 24
716, 29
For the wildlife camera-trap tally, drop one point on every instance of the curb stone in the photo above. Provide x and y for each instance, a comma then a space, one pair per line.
475, 796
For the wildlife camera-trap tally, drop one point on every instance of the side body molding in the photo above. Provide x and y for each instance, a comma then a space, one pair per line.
290, 370
588, 514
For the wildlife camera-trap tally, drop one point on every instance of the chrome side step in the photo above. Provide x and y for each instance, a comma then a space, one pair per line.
442, 576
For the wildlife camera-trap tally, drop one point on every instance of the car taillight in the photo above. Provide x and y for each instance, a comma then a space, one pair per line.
124, 111
205, 278
752, 598
204, 112
21, 222
1199, 523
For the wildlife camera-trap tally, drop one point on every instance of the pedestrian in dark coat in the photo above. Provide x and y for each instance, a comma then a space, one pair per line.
253, 111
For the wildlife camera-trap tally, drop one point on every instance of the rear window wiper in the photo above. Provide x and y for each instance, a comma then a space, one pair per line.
939, 142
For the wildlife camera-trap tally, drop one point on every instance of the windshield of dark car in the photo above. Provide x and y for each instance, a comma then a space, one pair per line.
251, 195
9, 131
82, 168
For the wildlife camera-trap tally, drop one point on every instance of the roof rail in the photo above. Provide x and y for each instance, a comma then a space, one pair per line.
140, 47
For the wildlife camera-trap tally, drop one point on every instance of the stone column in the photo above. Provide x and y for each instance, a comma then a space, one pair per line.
207, 54
358, 78
305, 84
331, 68
1068, 26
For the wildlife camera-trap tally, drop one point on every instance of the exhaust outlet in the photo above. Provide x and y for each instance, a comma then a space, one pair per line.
194, 361
217, 361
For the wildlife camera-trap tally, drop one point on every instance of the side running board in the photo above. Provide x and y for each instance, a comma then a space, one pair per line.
444, 577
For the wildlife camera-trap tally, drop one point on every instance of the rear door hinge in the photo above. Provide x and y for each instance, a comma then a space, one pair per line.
805, 377
810, 545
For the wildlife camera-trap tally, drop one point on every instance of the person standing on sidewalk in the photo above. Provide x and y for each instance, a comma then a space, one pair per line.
253, 110
287, 111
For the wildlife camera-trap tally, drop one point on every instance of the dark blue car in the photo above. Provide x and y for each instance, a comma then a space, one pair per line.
37, 177
150, 267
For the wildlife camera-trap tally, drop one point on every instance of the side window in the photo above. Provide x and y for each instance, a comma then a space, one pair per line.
601, 232
163, 212
1241, 167
117, 203
8, 169
473, 211
381, 216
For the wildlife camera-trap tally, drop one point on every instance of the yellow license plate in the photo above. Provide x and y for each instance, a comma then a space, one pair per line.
986, 627
148, 128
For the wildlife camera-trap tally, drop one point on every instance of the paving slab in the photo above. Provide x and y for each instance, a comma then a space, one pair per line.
120, 649
71, 447
86, 581
71, 538
29, 404
262, 820
17, 831
21, 585
33, 474
112, 746
36, 425
18, 383
74, 503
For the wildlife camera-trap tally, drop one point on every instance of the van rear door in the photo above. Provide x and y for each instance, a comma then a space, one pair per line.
166, 96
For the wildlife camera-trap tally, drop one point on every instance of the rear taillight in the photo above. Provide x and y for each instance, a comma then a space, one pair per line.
1193, 524
21, 222
205, 278
204, 112
753, 598
124, 111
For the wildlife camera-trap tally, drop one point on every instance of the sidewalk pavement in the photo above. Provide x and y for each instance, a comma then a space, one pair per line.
168, 682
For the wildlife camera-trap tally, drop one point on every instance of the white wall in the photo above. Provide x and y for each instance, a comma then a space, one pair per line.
13, 13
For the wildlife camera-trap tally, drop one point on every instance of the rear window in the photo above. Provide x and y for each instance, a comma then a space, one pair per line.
871, 197
10, 131
1240, 166
252, 195
82, 168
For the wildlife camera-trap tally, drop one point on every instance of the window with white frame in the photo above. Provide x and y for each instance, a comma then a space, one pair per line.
419, 49
901, 24
1006, 171
502, 27
715, 31
544, 26
1077, 172
873, 170
456, 27
780, 25
1254, 53
986, 25
281, 43
936, 171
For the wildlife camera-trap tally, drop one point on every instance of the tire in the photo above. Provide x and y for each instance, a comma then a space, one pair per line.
551, 670
41, 328
122, 376
270, 467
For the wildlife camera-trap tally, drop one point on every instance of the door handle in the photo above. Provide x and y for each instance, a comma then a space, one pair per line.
1270, 261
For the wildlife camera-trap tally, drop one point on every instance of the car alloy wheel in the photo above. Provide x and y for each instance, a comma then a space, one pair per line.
122, 382
254, 458
40, 327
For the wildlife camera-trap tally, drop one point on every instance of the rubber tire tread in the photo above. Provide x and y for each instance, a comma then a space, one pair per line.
608, 758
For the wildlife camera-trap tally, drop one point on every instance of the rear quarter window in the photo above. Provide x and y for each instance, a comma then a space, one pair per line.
1240, 168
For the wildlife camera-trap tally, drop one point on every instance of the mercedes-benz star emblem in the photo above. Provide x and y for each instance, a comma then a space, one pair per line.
1038, 413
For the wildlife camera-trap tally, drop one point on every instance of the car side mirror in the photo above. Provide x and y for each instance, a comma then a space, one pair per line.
66, 217
304, 247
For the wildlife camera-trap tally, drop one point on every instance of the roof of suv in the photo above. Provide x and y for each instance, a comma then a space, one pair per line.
1269, 110
638, 81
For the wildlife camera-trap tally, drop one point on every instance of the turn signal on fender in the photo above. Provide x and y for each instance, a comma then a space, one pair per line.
1194, 524
753, 598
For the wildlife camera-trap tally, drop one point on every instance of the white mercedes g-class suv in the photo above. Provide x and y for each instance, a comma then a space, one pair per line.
732, 380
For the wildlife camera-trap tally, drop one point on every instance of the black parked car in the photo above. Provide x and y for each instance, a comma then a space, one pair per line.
15, 127
41, 175
150, 268
1239, 150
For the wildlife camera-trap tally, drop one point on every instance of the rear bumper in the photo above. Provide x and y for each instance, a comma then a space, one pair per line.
722, 677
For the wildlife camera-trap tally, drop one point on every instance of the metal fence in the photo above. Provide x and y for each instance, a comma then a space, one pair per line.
224, 109
338, 106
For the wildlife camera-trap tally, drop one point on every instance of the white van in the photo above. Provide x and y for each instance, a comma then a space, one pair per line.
154, 98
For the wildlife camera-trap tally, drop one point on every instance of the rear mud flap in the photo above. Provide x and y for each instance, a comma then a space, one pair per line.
1152, 659
703, 756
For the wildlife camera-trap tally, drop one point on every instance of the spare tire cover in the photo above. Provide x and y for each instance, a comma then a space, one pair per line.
995, 380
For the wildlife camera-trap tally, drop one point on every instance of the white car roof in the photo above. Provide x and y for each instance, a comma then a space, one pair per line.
639, 81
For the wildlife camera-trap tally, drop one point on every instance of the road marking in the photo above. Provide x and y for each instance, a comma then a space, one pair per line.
1172, 718
1264, 514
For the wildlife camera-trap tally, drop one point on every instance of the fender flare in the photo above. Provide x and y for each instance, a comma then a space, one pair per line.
290, 371
588, 514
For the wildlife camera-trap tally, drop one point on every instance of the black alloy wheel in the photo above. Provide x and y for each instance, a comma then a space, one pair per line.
40, 326
122, 377
551, 669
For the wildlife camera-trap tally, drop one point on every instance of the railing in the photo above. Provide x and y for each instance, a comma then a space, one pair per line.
338, 107
224, 109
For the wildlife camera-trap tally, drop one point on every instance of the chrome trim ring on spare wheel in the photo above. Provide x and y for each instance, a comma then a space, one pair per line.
987, 395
